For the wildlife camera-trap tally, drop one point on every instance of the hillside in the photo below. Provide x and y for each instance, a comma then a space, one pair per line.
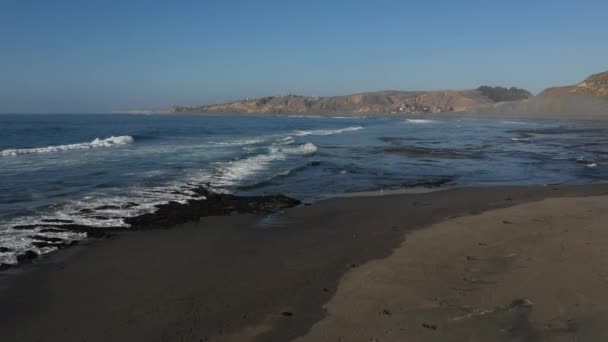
587, 100
364, 103
594, 85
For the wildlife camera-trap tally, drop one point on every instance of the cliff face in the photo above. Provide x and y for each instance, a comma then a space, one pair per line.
595, 85
364, 103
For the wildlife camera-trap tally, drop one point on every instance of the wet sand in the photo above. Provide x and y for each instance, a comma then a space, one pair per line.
250, 277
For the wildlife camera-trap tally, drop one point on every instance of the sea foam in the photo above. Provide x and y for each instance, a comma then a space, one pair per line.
304, 149
327, 131
418, 121
233, 173
97, 143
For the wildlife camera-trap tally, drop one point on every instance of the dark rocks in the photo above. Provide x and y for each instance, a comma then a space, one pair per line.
28, 255
63, 244
395, 140
4, 249
287, 313
560, 130
429, 326
520, 303
427, 183
42, 241
42, 244
46, 238
387, 312
91, 231
52, 230
166, 216
214, 204
426, 152
108, 207
56, 221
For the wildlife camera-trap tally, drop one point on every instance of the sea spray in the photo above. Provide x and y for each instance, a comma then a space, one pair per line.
96, 143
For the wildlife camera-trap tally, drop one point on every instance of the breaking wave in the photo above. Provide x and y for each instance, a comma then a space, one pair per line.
327, 131
304, 149
419, 121
97, 143
233, 173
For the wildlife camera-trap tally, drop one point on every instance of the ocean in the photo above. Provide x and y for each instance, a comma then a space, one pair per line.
98, 170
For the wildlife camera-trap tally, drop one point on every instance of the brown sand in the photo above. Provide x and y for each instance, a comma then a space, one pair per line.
244, 277
534, 272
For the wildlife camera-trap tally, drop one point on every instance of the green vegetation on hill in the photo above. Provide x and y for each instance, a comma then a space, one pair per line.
501, 94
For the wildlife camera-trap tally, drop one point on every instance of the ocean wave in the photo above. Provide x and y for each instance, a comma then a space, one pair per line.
516, 123
97, 143
419, 121
233, 173
286, 140
304, 149
327, 131
240, 142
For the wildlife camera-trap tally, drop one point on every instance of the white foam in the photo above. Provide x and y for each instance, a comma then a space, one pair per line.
592, 165
19, 241
327, 131
419, 121
304, 149
520, 139
515, 123
97, 143
232, 173
239, 142
286, 140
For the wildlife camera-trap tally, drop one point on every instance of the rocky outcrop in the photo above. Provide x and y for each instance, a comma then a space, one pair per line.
166, 216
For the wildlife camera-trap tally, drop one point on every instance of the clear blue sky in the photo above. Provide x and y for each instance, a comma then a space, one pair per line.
99, 56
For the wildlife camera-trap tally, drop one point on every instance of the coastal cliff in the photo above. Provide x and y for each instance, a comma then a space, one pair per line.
595, 85
365, 103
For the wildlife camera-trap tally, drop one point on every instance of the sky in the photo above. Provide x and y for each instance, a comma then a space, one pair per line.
94, 56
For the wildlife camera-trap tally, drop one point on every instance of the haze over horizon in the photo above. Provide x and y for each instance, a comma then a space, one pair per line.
101, 56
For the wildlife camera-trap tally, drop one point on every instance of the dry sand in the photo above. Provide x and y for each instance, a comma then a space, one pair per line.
533, 272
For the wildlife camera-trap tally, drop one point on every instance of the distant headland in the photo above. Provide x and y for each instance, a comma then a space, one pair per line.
587, 99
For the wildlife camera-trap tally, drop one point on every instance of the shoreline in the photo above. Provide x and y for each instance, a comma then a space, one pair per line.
234, 277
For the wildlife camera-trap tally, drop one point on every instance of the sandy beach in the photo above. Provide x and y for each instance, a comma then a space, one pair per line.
465, 264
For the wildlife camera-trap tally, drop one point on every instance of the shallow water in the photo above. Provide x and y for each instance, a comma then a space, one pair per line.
97, 170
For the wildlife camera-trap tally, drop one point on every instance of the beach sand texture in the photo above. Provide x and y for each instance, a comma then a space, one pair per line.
533, 272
